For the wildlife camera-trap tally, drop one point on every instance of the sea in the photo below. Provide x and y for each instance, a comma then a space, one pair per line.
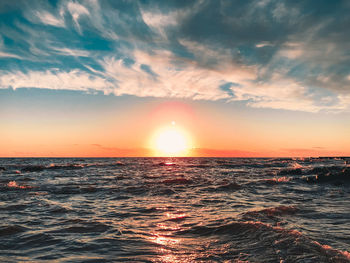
175, 210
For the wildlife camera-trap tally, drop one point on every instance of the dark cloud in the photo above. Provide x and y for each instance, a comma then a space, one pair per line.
320, 29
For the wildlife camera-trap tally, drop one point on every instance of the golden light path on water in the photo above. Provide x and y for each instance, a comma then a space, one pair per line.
166, 242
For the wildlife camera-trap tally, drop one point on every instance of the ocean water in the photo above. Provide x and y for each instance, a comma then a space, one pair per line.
174, 210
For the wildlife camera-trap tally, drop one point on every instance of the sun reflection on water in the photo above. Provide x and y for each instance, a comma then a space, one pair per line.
164, 240
168, 246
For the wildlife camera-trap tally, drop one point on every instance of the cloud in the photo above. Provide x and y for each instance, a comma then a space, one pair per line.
290, 55
77, 10
158, 20
53, 79
175, 77
168, 80
49, 19
8, 55
72, 52
170, 76
263, 44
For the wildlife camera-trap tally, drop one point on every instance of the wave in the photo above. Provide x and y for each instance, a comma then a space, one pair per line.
100, 228
310, 171
82, 226
177, 217
70, 189
291, 171
70, 166
230, 186
40, 168
13, 207
263, 242
33, 168
322, 174
274, 211
271, 214
335, 175
275, 180
11, 230
225, 186
65, 166
177, 181
29, 241
166, 164
14, 185
200, 166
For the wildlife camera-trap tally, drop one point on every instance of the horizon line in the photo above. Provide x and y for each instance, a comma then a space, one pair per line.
99, 157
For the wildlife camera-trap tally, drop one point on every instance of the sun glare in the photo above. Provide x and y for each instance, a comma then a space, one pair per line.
171, 141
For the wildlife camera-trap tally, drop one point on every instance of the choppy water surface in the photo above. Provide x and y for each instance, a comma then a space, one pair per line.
175, 210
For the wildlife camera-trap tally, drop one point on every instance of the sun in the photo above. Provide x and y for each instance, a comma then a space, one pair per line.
171, 141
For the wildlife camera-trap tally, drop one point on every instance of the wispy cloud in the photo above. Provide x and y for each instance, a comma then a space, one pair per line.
168, 80
269, 54
49, 19
72, 52
77, 10
54, 79
9, 55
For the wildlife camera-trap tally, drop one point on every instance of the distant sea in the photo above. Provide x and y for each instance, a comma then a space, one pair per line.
174, 210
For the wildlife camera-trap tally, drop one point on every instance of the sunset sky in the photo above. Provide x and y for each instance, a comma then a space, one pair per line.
235, 78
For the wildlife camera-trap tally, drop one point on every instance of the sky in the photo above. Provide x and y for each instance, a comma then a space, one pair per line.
237, 78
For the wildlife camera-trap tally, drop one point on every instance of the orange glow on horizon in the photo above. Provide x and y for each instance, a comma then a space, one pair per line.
170, 129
